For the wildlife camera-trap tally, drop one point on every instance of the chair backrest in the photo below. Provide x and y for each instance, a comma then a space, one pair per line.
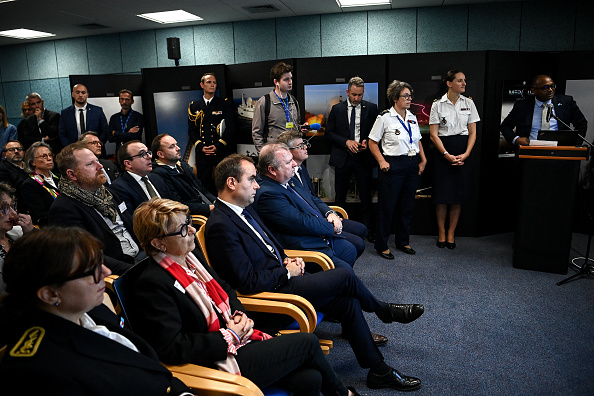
202, 242
122, 286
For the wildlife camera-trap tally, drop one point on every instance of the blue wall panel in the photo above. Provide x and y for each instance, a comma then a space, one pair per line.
186, 45
493, 27
41, 58
392, 32
255, 40
13, 63
442, 29
584, 28
50, 92
213, 44
105, 54
14, 95
344, 34
299, 37
72, 57
537, 19
65, 92
139, 49
2, 101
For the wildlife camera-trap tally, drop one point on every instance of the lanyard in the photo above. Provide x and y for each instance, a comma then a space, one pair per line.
286, 108
124, 125
409, 129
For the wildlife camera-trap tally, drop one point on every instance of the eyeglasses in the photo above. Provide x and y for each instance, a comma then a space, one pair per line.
45, 156
547, 87
14, 149
5, 209
143, 154
183, 231
96, 143
96, 271
302, 146
406, 96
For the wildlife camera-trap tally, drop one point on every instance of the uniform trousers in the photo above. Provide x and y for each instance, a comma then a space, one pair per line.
355, 164
396, 200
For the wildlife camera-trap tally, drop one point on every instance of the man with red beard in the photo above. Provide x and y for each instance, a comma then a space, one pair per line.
84, 202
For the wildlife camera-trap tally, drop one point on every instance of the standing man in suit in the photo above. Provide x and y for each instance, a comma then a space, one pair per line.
211, 127
247, 255
347, 130
91, 139
128, 124
182, 183
41, 126
136, 185
528, 116
353, 231
85, 202
293, 217
82, 117
12, 169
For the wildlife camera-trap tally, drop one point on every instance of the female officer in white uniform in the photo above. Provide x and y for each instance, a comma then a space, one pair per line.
401, 161
453, 132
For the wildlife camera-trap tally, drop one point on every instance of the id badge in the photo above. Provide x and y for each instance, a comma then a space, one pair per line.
289, 125
412, 152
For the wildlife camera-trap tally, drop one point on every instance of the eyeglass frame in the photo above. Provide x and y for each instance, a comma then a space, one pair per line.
95, 143
143, 154
303, 145
181, 232
13, 149
407, 96
4, 211
45, 156
95, 270
546, 87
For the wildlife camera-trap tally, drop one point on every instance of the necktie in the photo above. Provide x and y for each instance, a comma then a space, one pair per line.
149, 187
352, 124
544, 124
83, 129
260, 231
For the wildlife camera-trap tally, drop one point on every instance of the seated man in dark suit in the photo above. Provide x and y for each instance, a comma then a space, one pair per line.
82, 117
294, 218
353, 231
247, 255
179, 177
530, 115
12, 169
91, 139
42, 125
85, 202
136, 185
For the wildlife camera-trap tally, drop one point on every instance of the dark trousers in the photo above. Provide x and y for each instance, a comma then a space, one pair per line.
204, 172
341, 294
355, 233
293, 362
344, 251
363, 173
396, 200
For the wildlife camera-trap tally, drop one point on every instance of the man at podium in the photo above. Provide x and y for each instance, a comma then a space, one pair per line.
535, 113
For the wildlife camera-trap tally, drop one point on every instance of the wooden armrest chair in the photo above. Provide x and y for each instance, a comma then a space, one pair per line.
341, 211
198, 221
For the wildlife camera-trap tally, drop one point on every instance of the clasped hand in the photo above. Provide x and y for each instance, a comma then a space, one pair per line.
296, 266
336, 222
242, 326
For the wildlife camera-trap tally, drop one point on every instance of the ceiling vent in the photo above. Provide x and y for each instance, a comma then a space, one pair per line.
261, 9
93, 26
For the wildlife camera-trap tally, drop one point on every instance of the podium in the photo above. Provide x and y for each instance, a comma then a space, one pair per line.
549, 182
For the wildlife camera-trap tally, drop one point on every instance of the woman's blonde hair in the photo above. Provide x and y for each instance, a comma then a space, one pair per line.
152, 220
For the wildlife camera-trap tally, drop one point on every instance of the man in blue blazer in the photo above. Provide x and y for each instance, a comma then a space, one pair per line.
526, 115
349, 153
247, 255
82, 117
136, 183
295, 219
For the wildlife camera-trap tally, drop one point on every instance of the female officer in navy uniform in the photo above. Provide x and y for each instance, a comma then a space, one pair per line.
453, 132
401, 161
56, 346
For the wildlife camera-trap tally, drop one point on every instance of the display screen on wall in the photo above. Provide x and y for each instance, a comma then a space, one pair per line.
513, 90
244, 103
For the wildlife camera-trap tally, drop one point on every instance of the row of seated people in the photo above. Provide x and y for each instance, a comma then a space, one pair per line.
83, 199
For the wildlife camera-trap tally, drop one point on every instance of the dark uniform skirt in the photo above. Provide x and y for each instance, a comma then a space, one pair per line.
451, 184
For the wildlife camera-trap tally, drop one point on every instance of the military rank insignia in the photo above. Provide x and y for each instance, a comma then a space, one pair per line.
29, 343
443, 121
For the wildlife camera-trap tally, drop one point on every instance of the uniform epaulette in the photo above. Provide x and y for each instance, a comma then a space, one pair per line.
226, 98
436, 99
29, 343
384, 112
470, 97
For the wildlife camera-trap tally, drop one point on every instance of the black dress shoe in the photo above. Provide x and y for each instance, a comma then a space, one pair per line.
450, 245
387, 256
407, 250
393, 379
379, 339
353, 391
402, 313
441, 245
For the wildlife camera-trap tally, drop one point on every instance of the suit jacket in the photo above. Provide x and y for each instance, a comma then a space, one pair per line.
130, 191
307, 188
290, 218
206, 130
520, 117
67, 212
239, 256
33, 132
171, 322
337, 131
12, 174
36, 200
71, 360
184, 187
94, 121
110, 168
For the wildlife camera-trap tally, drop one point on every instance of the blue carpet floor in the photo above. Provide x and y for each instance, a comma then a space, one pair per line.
488, 328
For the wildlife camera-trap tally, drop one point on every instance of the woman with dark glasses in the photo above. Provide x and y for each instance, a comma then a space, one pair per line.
60, 338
